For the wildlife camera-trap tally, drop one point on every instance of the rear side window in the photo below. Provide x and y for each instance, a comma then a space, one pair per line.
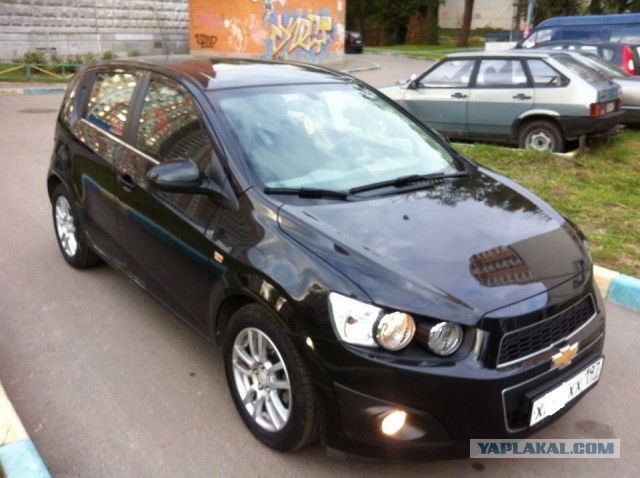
501, 72
608, 54
69, 105
581, 33
543, 75
630, 34
108, 106
587, 73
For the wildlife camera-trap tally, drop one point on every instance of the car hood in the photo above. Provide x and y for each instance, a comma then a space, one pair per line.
454, 251
395, 92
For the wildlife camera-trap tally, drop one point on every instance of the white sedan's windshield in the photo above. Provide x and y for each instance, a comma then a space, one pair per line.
329, 136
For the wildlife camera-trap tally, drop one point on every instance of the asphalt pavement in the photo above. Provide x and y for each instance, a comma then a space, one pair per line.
108, 383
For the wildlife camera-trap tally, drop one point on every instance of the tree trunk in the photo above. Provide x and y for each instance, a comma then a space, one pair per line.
431, 34
463, 38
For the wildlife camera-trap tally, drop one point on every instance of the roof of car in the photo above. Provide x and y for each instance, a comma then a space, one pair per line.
505, 53
596, 20
604, 44
223, 73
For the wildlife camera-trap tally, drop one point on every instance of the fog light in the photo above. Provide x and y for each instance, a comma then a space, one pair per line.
393, 422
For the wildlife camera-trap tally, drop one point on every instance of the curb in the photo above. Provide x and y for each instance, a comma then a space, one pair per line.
38, 90
618, 288
18, 455
374, 66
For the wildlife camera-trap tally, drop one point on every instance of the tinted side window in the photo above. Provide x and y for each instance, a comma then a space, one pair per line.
108, 105
170, 126
69, 106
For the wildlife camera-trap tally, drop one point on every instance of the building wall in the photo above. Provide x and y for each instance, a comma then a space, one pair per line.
486, 13
304, 30
93, 26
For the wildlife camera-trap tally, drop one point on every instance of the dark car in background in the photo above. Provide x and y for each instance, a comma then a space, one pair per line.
366, 283
623, 55
353, 42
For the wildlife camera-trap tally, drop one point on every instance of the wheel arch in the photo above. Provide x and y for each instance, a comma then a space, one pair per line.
52, 183
522, 123
255, 290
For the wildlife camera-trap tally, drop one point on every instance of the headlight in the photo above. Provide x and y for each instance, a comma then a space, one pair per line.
445, 338
365, 324
395, 331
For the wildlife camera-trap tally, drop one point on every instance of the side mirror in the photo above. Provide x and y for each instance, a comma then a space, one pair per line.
413, 83
183, 176
177, 176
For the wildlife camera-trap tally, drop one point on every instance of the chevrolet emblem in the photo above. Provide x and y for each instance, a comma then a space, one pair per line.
565, 355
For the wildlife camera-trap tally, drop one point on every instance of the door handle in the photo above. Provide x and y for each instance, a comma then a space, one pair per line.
458, 96
521, 96
126, 182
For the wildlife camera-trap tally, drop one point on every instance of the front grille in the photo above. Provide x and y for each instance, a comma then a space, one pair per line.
528, 340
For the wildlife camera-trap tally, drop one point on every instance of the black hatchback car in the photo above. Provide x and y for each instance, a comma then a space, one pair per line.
353, 42
366, 283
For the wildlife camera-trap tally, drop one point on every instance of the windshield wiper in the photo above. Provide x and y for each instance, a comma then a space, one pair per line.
309, 192
406, 180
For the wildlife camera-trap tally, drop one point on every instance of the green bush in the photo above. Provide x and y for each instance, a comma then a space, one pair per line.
134, 52
55, 59
33, 57
109, 55
89, 58
74, 59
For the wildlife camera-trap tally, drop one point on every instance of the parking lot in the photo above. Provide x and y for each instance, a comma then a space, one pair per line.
109, 383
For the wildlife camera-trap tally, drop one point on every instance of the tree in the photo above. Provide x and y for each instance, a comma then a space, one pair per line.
467, 16
390, 21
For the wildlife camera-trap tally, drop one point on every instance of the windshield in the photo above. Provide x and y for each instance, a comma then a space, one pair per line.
329, 136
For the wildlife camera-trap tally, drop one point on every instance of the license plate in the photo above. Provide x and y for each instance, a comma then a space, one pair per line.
610, 107
555, 400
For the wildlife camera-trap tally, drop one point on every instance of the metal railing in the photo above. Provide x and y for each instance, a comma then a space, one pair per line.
37, 71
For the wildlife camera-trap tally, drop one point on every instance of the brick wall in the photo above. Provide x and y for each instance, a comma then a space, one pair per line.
93, 26
304, 30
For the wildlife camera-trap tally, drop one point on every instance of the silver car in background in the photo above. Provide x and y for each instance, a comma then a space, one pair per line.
533, 99
630, 84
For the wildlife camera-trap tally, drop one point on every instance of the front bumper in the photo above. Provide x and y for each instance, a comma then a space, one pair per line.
447, 405
575, 126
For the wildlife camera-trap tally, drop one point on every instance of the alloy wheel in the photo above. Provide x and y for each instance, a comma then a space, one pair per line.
261, 379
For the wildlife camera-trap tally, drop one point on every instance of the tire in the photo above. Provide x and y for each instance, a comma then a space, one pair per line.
268, 381
541, 136
71, 238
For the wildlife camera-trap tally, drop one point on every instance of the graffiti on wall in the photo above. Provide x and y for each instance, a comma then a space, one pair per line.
285, 29
206, 41
311, 33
